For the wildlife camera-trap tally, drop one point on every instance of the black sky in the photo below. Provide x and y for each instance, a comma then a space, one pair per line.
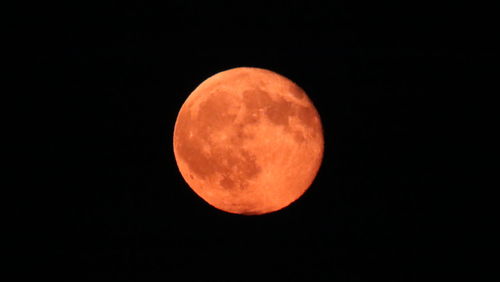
113, 76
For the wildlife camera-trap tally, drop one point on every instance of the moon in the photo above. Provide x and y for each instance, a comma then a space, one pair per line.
248, 141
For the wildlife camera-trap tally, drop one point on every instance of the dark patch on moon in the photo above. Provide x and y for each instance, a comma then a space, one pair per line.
227, 182
299, 136
279, 111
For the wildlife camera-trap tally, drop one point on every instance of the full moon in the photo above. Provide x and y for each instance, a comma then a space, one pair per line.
248, 141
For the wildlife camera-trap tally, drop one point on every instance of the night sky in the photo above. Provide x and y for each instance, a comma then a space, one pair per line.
115, 76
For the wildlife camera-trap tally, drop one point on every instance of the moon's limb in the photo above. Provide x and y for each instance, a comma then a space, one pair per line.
248, 141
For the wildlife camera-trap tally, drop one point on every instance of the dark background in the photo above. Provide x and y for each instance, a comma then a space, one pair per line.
385, 79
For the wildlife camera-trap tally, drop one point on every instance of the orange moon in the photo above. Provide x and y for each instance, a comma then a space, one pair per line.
248, 141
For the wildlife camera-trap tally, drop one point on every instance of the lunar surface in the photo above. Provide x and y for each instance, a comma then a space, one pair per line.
248, 141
